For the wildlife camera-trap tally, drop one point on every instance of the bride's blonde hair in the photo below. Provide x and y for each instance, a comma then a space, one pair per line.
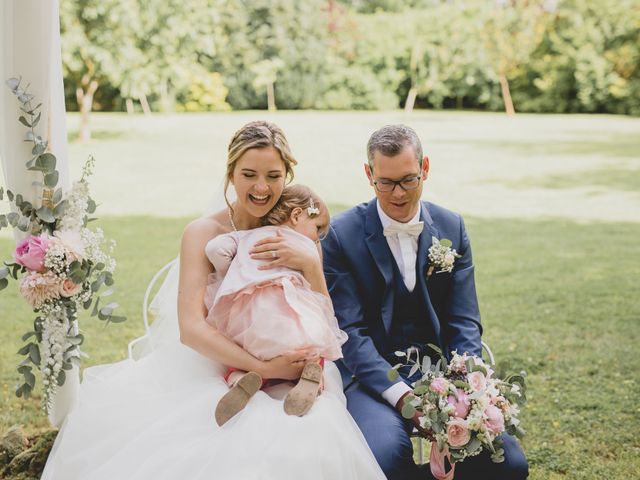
296, 196
258, 134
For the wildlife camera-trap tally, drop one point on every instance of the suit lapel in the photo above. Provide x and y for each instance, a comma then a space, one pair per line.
379, 249
424, 242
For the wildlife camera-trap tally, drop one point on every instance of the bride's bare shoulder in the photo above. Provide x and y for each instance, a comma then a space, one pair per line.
203, 229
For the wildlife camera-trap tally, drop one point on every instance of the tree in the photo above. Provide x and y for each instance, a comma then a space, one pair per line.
98, 45
511, 31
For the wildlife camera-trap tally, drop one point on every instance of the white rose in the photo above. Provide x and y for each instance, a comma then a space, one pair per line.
449, 259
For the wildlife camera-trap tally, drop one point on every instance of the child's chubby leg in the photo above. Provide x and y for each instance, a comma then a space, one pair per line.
302, 397
244, 385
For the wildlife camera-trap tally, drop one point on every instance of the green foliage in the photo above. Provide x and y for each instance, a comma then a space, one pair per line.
578, 56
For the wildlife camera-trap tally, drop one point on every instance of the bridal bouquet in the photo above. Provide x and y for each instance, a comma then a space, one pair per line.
464, 407
60, 264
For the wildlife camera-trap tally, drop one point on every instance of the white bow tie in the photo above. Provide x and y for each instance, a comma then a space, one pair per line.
413, 229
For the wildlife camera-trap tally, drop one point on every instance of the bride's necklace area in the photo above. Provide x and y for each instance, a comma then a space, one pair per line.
233, 225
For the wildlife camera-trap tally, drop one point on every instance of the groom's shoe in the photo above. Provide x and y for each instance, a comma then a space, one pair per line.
237, 397
301, 397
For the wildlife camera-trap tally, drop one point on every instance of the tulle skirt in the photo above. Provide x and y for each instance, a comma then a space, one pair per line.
152, 419
276, 317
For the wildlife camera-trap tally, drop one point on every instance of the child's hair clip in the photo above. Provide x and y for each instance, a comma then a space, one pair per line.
312, 209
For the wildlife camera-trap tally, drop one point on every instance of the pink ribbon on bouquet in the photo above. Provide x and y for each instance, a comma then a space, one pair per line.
436, 462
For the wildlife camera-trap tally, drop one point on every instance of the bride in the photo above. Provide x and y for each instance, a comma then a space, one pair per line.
153, 418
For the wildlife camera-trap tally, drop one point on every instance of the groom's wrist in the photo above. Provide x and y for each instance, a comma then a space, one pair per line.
395, 393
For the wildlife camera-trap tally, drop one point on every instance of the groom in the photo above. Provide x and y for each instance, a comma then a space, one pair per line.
376, 265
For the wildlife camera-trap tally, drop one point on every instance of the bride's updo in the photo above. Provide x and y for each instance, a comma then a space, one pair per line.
258, 134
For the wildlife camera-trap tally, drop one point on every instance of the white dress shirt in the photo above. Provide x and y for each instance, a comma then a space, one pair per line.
405, 250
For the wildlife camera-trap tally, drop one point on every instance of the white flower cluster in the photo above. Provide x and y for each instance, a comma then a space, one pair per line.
441, 255
55, 259
52, 349
76, 209
97, 249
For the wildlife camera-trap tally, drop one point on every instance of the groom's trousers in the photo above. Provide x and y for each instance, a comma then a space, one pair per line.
388, 436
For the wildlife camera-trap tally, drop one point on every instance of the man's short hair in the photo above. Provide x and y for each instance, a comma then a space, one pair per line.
390, 140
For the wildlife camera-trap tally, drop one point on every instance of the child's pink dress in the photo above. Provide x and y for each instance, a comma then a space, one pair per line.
268, 312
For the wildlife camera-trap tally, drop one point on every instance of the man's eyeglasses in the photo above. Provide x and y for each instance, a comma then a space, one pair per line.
386, 185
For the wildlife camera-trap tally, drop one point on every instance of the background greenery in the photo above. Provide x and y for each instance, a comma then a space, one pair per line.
558, 286
203, 55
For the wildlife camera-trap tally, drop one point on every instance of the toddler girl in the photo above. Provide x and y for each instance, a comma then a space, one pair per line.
273, 311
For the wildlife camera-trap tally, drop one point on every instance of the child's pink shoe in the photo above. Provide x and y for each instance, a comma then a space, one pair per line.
301, 397
237, 397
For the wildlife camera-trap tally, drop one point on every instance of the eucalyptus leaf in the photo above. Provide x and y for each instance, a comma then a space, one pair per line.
27, 335
117, 319
13, 83
392, 375
36, 120
13, 218
3, 283
62, 376
408, 411
445, 242
426, 363
414, 369
58, 211
23, 224
4, 272
46, 162
10, 195
91, 206
45, 214
24, 121
108, 279
34, 353
57, 196
38, 149
51, 179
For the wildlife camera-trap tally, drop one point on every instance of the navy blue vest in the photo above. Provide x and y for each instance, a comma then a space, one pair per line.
410, 326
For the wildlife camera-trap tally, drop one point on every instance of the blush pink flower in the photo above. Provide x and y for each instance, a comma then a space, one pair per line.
458, 433
68, 288
30, 253
477, 380
461, 404
494, 420
72, 242
439, 385
37, 288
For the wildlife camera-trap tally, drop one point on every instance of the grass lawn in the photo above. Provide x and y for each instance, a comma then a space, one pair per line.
555, 246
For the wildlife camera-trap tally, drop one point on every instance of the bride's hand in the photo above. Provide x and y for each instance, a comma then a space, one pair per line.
278, 251
287, 366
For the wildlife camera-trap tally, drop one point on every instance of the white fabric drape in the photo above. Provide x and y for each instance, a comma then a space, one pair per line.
30, 48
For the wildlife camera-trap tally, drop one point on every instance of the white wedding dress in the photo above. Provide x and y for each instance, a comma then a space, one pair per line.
152, 419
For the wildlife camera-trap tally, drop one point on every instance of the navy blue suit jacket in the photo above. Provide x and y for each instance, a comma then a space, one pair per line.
359, 272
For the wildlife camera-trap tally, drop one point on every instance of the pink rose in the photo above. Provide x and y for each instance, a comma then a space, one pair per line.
30, 253
494, 420
439, 385
477, 381
458, 433
68, 288
461, 404
37, 288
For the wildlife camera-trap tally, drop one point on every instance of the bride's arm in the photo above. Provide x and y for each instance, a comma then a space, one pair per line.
292, 256
195, 332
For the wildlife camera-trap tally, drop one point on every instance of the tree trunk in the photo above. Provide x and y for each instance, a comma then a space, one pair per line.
506, 96
84, 95
129, 103
166, 99
271, 97
411, 100
145, 104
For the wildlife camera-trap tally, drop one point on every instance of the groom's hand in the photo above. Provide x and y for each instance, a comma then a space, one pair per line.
416, 417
